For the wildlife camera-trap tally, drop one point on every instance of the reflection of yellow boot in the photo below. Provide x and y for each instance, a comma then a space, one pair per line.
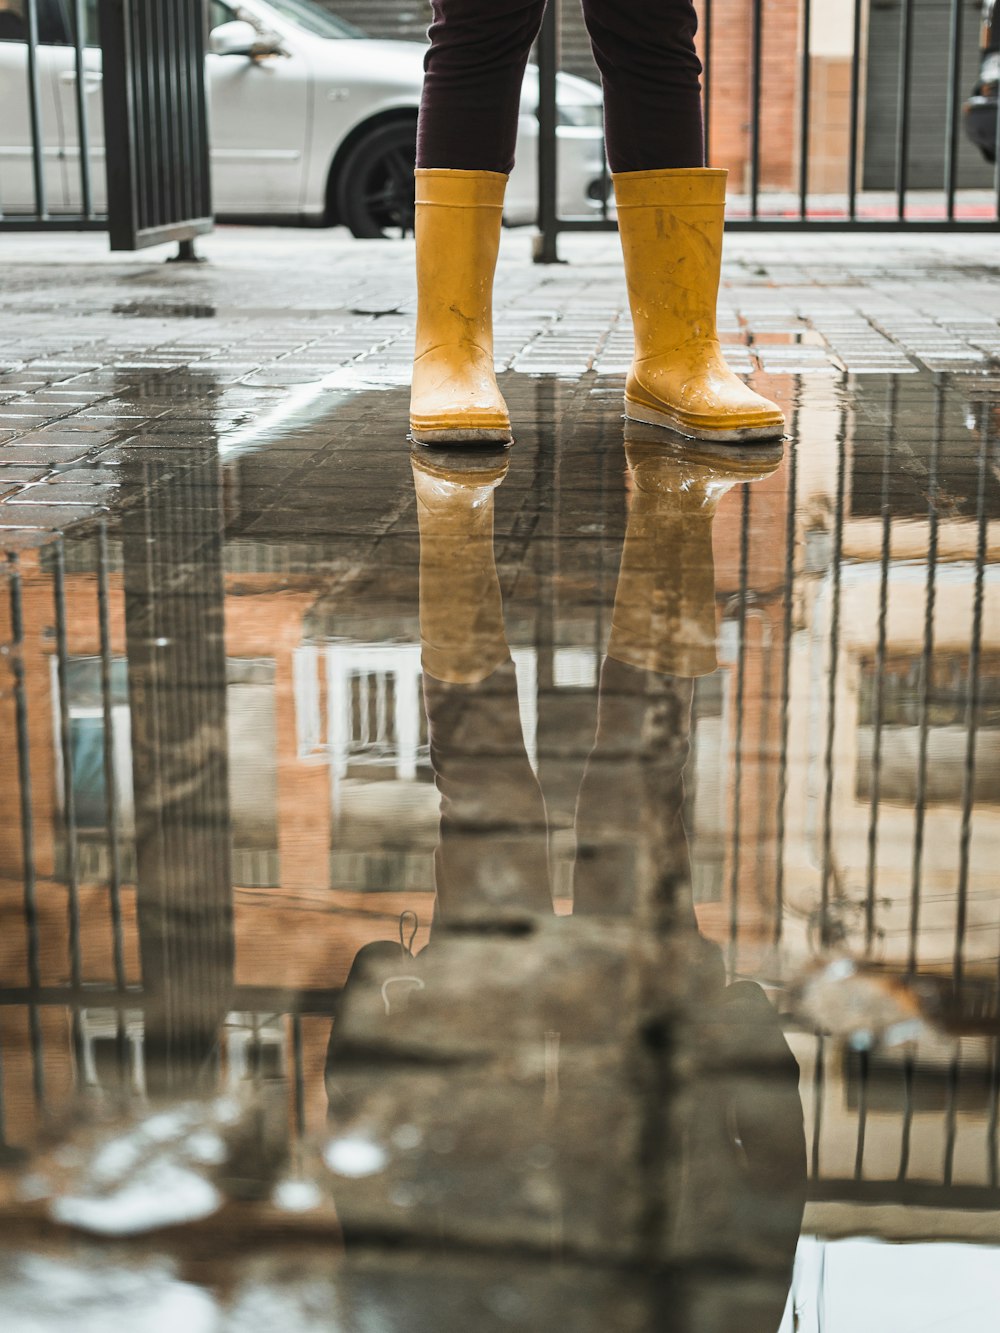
664, 616
461, 610
455, 397
671, 229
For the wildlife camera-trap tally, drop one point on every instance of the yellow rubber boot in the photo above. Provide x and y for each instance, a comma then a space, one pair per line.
664, 616
455, 398
671, 228
462, 635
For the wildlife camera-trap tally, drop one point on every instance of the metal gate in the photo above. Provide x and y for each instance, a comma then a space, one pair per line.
841, 116
108, 135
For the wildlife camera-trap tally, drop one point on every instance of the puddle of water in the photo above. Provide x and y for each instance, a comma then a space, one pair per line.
574, 869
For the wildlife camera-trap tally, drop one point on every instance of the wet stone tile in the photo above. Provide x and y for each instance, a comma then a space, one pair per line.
543, 889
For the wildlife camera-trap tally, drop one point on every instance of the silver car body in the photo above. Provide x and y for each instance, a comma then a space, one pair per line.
277, 123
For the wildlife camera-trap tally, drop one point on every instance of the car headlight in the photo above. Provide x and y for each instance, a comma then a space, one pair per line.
989, 71
581, 115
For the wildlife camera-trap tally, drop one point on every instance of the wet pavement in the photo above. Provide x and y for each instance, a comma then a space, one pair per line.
553, 889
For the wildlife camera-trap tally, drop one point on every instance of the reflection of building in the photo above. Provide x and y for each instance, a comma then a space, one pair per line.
334, 816
893, 715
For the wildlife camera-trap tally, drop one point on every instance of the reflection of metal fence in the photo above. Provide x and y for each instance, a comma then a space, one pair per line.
142, 89
907, 76
942, 503
904, 1126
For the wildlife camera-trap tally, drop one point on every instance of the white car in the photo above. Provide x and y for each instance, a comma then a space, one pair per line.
310, 121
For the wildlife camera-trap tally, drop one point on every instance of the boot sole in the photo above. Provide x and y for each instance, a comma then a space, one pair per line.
652, 416
459, 437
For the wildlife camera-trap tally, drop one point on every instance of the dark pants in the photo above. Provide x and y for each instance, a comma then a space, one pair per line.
643, 48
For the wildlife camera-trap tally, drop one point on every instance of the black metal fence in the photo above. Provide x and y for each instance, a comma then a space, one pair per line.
108, 135
869, 138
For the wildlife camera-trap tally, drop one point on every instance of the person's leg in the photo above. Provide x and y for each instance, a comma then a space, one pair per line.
632, 853
632, 850
465, 148
670, 215
652, 82
492, 855
472, 85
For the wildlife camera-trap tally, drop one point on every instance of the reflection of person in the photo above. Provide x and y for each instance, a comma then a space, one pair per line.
735, 1121
12, 25
670, 210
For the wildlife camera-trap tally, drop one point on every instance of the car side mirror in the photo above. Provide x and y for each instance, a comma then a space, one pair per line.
241, 39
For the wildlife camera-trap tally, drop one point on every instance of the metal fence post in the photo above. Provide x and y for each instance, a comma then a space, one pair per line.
546, 249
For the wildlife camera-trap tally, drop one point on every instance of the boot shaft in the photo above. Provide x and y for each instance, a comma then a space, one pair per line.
671, 225
458, 222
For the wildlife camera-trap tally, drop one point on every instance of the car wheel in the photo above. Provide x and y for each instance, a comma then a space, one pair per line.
375, 188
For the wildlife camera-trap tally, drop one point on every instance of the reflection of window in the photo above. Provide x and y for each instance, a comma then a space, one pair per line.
948, 700
253, 761
253, 752
255, 1047
705, 779
86, 743
105, 1062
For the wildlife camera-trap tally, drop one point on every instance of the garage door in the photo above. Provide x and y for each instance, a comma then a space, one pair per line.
931, 33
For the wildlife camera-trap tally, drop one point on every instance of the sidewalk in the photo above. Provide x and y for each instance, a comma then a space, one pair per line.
276, 314
702, 748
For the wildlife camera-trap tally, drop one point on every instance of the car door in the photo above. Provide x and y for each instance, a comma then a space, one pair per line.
259, 126
17, 183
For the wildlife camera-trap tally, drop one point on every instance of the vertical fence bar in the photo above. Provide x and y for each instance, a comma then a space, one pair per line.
805, 92
299, 1075
547, 242
161, 115
171, 122
853, 133
706, 63
35, 112
29, 888
111, 812
741, 657
972, 708
909, 1075
757, 46
927, 675
953, 117
82, 117
186, 20
819, 1083
4, 1149
903, 106
993, 1122
787, 626
72, 851
864, 1070
831, 696
875, 789
951, 1117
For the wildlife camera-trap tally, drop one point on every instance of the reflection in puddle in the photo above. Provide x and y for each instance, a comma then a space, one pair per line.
534, 881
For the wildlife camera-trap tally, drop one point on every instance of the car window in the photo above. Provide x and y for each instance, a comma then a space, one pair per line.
218, 13
52, 22
13, 25
311, 18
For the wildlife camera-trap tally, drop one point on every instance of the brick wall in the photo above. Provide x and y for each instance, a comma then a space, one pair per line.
732, 89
